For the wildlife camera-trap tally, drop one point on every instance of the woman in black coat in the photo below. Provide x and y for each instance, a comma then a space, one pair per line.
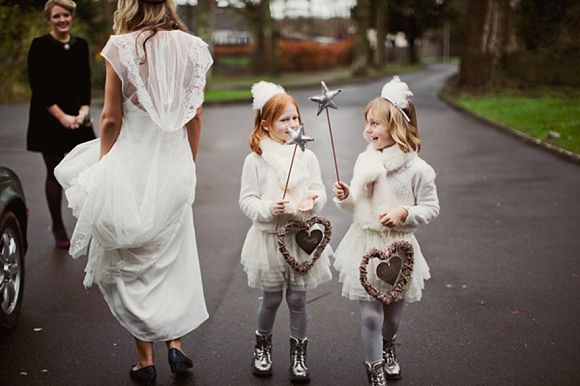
60, 79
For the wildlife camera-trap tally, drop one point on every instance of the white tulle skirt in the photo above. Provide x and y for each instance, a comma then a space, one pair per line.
356, 243
267, 270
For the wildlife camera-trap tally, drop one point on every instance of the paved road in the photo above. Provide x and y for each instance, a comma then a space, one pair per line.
501, 308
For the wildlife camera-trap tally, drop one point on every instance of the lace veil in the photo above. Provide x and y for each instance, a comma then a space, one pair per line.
169, 76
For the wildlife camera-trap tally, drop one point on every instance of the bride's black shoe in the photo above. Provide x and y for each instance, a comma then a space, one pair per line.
178, 361
145, 376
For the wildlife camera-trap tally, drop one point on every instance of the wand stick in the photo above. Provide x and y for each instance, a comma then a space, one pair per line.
332, 144
287, 180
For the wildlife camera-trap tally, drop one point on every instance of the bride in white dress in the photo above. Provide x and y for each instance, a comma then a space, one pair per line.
132, 190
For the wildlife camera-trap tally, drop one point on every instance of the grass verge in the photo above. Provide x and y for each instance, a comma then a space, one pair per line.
293, 80
548, 114
226, 95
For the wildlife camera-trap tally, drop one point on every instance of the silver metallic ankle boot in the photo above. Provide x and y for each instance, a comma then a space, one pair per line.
262, 356
376, 373
392, 368
298, 370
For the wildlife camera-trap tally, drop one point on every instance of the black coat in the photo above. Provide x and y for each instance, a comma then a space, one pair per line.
59, 74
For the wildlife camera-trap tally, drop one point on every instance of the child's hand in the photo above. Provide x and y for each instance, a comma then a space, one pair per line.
392, 217
307, 203
340, 190
278, 207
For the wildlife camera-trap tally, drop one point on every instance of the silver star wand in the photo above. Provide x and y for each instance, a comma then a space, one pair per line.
326, 100
298, 139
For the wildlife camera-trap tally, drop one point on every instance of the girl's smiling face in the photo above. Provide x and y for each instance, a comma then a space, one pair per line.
377, 133
60, 20
278, 130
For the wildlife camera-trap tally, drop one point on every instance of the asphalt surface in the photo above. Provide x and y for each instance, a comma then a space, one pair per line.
502, 306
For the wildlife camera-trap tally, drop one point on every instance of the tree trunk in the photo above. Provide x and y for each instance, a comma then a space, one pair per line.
275, 50
204, 22
379, 52
506, 32
413, 54
485, 40
361, 14
259, 19
259, 63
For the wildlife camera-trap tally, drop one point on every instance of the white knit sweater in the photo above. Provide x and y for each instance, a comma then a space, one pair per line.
390, 179
264, 178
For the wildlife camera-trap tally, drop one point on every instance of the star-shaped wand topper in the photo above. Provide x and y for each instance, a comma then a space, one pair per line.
298, 137
326, 99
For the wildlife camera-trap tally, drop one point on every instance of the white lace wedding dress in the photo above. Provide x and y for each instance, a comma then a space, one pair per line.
134, 206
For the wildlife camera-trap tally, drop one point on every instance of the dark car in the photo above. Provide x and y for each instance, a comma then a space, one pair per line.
13, 245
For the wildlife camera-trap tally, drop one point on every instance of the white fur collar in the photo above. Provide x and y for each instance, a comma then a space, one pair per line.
373, 163
279, 156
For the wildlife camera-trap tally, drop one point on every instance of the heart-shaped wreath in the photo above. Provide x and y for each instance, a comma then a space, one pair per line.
309, 241
398, 278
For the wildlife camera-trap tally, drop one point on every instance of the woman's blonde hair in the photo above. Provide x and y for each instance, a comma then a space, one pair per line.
137, 15
271, 111
69, 5
405, 134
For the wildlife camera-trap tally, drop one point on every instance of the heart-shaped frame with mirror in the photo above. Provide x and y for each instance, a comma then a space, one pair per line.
311, 241
392, 270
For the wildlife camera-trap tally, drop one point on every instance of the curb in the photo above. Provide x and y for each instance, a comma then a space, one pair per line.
562, 153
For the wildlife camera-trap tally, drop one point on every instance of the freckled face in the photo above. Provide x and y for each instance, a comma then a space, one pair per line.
60, 20
378, 133
278, 130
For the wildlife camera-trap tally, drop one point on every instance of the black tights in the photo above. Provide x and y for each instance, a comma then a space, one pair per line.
53, 192
296, 304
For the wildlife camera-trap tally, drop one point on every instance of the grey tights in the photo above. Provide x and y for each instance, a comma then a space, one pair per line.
296, 301
378, 321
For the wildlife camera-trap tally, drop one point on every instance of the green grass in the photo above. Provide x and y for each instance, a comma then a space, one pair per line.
535, 115
335, 76
241, 61
228, 88
290, 79
227, 95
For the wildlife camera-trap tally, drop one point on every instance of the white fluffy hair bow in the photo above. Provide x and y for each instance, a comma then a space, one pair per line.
397, 93
263, 91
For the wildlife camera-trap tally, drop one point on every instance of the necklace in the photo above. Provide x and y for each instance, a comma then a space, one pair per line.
61, 39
